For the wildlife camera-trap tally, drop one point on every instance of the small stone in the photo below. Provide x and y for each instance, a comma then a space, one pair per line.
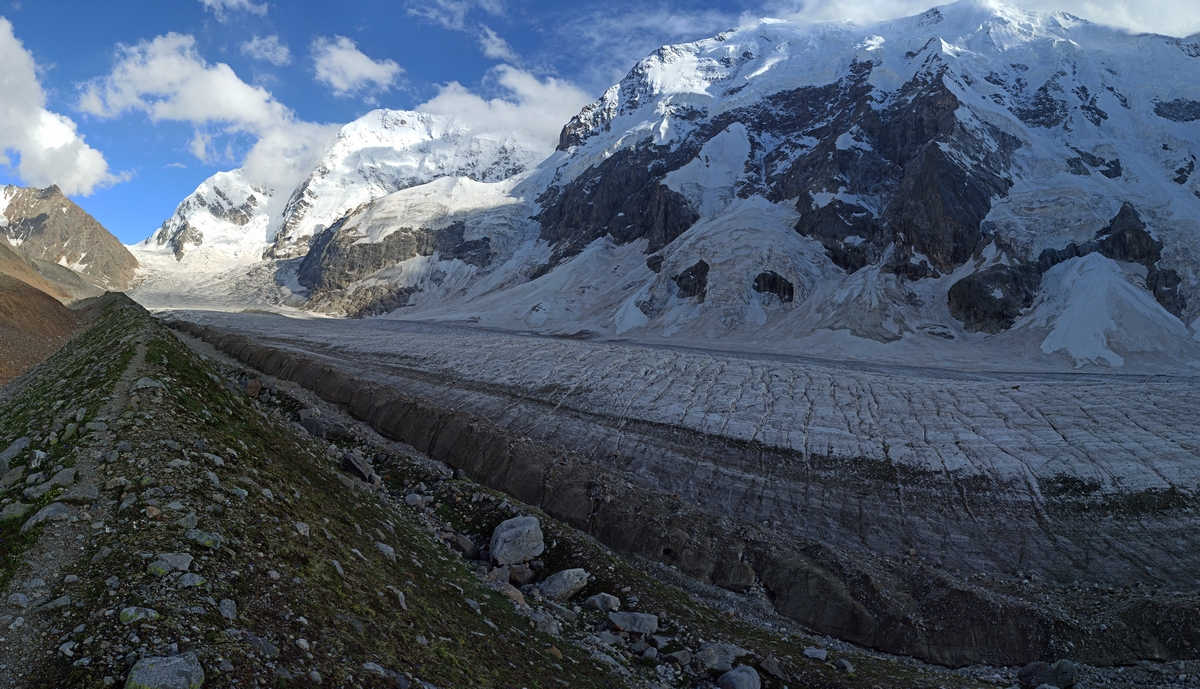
635, 622
517, 540
338, 566
387, 550
374, 668
510, 592
314, 677
844, 665
302, 644
112, 582
189, 522
519, 575
228, 609
560, 586
135, 614
773, 667
55, 604
152, 511
159, 568
190, 579
684, 658
604, 602
102, 553
272, 575
208, 540
301, 528
816, 653
19, 599
740, 677
178, 561
14, 510
171, 672
262, 645
414, 500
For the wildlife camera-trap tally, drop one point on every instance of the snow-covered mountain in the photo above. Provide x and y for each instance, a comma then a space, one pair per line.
380, 153
966, 182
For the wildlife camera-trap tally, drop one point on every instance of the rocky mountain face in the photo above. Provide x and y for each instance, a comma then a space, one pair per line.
65, 244
382, 152
914, 179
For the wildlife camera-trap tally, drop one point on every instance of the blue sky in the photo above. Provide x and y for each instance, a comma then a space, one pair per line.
162, 94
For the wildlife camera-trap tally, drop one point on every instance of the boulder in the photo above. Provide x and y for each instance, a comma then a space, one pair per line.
740, 677
634, 622
604, 602
54, 511
717, 656
517, 540
171, 672
465, 546
10, 453
560, 586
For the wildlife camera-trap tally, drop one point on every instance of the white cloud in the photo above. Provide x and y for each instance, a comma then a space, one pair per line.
177, 166
269, 49
495, 47
49, 148
452, 14
533, 109
347, 70
168, 80
220, 7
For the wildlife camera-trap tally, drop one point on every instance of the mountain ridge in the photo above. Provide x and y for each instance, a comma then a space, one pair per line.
972, 145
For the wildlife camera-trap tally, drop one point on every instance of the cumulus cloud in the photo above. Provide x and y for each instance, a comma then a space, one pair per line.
341, 66
495, 47
49, 148
452, 14
221, 7
168, 80
533, 109
269, 49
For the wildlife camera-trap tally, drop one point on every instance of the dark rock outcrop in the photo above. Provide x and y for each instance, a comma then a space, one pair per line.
771, 282
338, 259
991, 300
693, 282
1178, 110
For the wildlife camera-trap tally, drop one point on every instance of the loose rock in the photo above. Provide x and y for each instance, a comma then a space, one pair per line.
560, 586
517, 540
741, 677
639, 623
182, 671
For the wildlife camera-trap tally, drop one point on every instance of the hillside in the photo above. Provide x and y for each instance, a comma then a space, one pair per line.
68, 245
33, 324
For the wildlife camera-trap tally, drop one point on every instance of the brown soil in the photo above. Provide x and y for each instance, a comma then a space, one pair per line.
33, 325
